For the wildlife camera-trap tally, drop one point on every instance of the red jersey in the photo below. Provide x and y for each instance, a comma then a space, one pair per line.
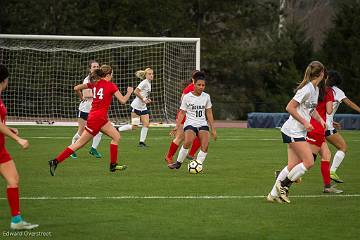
3, 113
189, 88
321, 109
103, 92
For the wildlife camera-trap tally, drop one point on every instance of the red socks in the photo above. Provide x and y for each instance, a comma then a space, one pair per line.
195, 146
13, 199
113, 153
325, 171
65, 154
172, 150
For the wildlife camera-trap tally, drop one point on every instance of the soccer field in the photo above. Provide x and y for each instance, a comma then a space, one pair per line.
149, 201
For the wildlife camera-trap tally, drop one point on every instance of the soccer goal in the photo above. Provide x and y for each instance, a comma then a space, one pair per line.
44, 69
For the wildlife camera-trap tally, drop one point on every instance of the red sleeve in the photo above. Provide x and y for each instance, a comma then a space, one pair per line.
329, 97
113, 88
189, 88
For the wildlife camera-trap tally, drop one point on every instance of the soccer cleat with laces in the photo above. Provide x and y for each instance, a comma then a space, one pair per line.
271, 198
335, 177
116, 167
95, 153
283, 192
175, 165
74, 155
53, 165
22, 225
332, 189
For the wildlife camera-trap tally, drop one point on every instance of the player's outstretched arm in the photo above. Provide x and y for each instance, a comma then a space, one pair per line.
123, 99
351, 104
7, 132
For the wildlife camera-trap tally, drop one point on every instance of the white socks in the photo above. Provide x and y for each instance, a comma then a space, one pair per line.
338, 158
143, 134
201, 157
126, 127
96, 140
282, 175
75, 138
182, 154
297, 172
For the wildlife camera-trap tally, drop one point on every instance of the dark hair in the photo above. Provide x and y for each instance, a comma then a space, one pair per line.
334, 78
4, 73
322, 86
199, 75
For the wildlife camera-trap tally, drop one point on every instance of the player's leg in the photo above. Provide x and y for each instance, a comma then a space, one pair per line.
110, 131
194, 148
95, 143
338, 141
135, 122
145, 119
189, 135
204, 142
325, 154
84, 138
179, 137
81, 126
11, 176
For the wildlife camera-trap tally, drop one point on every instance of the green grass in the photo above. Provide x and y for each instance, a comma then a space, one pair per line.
240, 163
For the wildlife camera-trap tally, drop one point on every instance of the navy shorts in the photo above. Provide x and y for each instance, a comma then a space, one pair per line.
287, 139
196, 129
83, 115
139, 112
330, 132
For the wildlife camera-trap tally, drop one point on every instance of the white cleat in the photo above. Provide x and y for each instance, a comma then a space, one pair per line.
332, 189
271, 198
22, 225
282, 191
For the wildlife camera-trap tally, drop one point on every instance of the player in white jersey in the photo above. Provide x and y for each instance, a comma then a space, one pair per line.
301, 108
332, 136
86, 97
140, 112
199, 117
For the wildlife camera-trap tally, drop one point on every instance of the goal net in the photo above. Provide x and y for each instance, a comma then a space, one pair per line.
45, 69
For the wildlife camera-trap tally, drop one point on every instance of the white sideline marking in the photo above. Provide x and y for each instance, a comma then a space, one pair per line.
183, 197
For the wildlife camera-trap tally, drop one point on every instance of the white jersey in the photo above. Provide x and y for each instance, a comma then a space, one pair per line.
145, 89
307, 97
339, 96
85, 105
195, 107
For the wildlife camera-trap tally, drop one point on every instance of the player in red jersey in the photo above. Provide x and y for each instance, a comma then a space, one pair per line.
179, 135
7, 165
316, 137
103, 90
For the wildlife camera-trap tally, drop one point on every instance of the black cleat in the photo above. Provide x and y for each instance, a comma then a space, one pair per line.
53, 165
175, 165
142, 144
116, 167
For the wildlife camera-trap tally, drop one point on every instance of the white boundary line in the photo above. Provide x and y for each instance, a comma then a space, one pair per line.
183, 197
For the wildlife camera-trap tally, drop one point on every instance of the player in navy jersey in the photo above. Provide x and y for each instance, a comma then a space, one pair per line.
103, 90
7, 165
197, 107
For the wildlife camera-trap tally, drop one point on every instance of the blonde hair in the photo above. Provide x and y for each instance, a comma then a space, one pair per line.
142, 73
312, 71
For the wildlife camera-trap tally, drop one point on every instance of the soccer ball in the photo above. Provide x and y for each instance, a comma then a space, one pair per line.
195, 167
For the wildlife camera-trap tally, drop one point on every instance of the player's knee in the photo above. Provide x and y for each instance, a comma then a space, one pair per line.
135, 121
308, 163
13, 182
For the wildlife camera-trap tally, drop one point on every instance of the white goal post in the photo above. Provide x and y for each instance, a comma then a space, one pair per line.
45, 68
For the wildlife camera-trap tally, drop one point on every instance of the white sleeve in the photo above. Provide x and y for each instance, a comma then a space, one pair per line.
301, 94
142, 85
208, 102
340, 95
86, 80
183, 104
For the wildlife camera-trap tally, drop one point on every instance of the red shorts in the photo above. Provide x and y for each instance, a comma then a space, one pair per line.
183, 121
94, 124
315, 138
4, 155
